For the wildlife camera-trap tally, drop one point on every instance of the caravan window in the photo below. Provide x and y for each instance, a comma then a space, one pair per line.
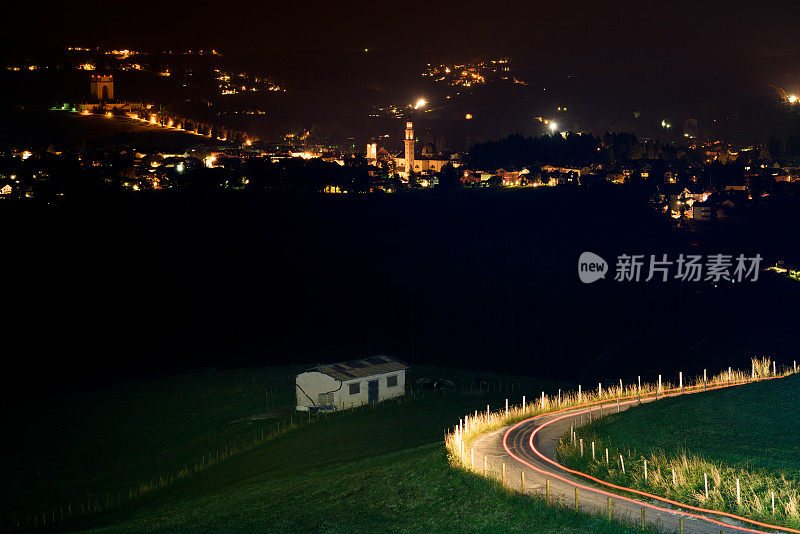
325, 399
355, 389
391, 381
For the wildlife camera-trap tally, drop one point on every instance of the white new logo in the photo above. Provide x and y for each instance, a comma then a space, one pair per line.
591, 267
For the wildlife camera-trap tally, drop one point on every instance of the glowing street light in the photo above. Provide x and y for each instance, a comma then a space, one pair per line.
420, 103
793, 99
553, 127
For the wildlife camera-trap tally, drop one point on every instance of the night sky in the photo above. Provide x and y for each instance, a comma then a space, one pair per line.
578, 31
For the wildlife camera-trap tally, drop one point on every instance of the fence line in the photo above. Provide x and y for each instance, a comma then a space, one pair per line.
461, 437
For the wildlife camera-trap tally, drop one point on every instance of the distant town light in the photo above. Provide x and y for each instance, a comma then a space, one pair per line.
793, 99
468, 116
421, 102
179, 167
553, 126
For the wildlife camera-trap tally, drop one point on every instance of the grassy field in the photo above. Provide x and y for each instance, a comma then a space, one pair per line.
366, 470
746, 433
90, 445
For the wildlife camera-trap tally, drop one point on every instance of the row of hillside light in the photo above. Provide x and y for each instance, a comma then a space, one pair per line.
686, 477
459, 439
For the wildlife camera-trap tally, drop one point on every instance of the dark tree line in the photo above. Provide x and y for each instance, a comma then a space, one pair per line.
574, 150
518, 151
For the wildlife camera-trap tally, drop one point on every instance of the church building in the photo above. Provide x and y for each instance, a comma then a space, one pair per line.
428, 161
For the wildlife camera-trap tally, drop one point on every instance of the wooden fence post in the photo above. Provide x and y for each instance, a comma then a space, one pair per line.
522, 481
504, 474
609, 508
738, 494
577, 503
547, 490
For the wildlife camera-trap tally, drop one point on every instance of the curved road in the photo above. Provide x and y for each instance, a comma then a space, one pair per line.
530, 447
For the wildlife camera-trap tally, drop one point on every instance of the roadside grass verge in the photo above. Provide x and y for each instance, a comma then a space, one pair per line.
473, 425
746, 433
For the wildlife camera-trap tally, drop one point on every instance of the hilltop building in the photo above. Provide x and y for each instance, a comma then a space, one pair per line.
102, 87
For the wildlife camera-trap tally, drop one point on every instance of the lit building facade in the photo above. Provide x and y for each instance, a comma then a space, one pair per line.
102, 87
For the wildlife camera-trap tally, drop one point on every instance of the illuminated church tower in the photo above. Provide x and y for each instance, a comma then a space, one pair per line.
409, 147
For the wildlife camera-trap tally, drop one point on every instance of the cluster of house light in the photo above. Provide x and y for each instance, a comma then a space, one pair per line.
231, 84
469, 74
387, 111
